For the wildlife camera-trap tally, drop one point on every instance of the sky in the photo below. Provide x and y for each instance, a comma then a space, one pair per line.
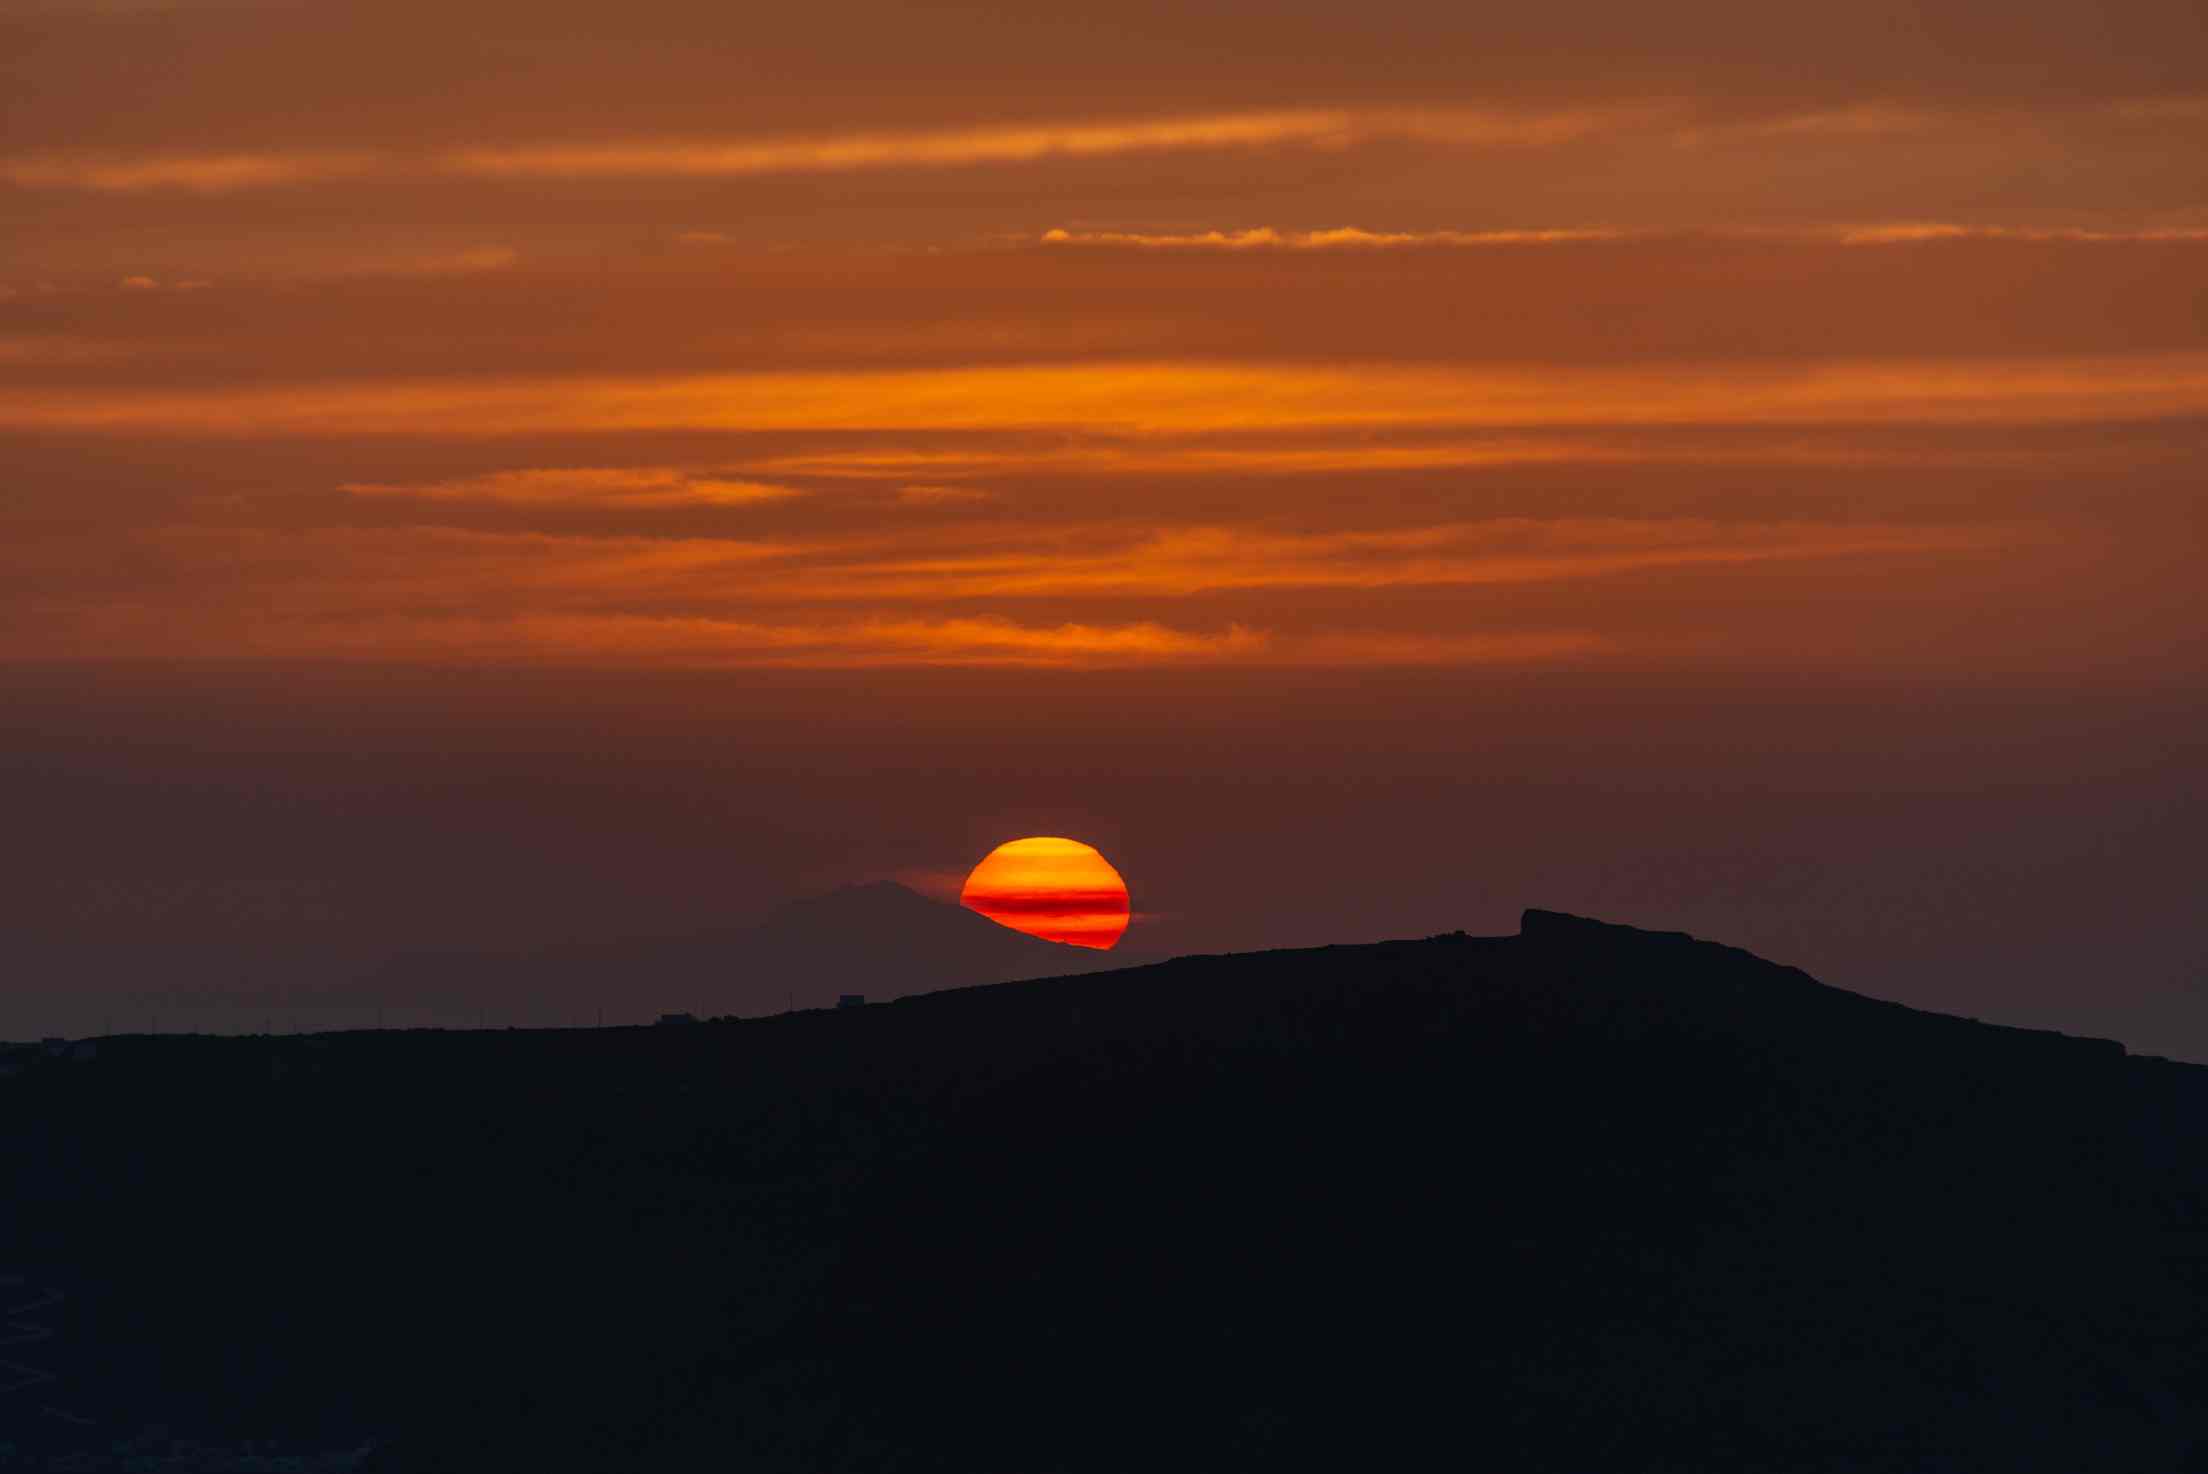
544, 475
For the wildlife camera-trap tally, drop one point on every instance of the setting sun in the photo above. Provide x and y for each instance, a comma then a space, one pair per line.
1058, 889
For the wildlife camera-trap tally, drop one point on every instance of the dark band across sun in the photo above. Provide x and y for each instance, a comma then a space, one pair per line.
1058, 889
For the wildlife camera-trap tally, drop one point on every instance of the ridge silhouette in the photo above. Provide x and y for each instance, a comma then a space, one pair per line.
1586, 1197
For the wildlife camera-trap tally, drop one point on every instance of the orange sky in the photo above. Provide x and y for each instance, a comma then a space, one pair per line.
1704, 347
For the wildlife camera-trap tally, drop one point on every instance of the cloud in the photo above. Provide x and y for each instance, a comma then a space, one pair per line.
1358, 454
1331, 128
477, 258
638, 639
939, 496
869, 598
631, 641
430, 263
343, 260
1346, 237
1183, 562
348, 571
1914, 232
61, 348
214, 174
2161, 109
936, 148
1857, 120
1677, 123
1184, 397
653, 486
1380, 648
139, 284
1350, 237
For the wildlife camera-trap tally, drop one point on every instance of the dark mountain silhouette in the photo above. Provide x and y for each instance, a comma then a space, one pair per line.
1584, 1198
892, 941
883, 940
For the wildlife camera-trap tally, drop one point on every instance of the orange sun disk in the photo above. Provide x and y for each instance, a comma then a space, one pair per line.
1058, 889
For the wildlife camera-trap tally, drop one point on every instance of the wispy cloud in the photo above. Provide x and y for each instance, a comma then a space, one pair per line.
462, 262
61, 348
878, 597
1348, 237
354, 569
1381, 648
1913, 232
219, 173
920, 495
865, 642
631, 641
652, 486
1351, 238
1024, 143
1188, 561
836, 153
1359, 454
1168, 396
1675, 122
947, 147
1857, 120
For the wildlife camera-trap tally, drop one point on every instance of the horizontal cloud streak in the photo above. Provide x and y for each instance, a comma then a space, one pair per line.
340, 568
1352, 238
223, 173
934, 148
1676, 123
876, 598
1916, 232
1167, 396
630, 640
1356, 455
585, 486
1209, 560
1346, 237
937, 496
837, 153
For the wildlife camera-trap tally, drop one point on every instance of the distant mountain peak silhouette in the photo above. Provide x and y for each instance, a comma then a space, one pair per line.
881, 934
878, 939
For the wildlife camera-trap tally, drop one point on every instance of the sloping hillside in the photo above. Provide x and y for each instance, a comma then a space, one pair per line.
1582, 1198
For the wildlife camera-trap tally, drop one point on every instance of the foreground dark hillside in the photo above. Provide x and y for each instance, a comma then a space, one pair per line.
1584, 1198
